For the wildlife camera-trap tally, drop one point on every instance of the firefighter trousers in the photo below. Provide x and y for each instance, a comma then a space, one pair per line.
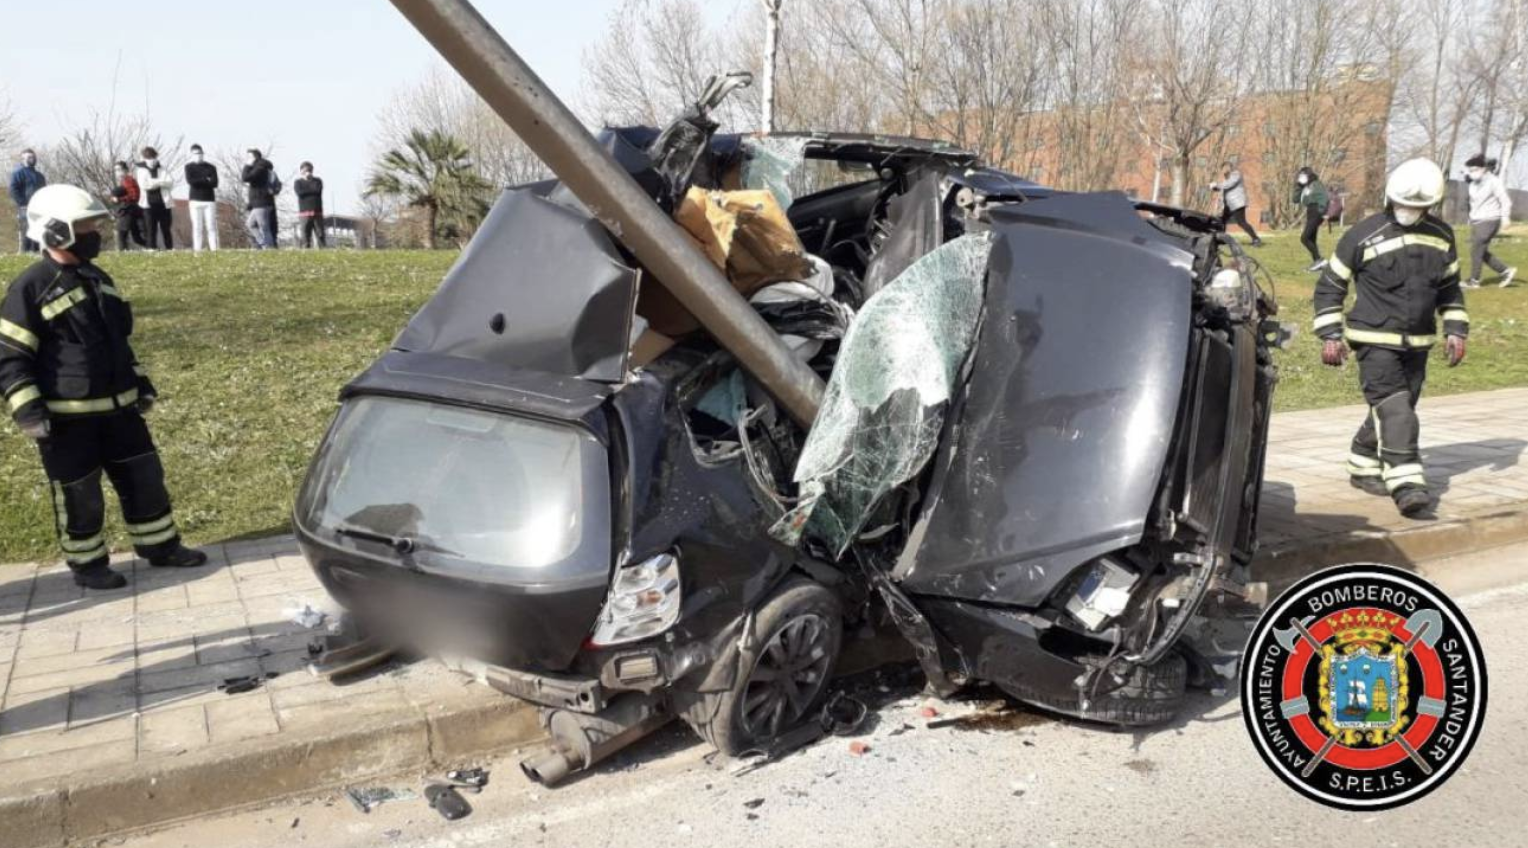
1385, 445
75, 455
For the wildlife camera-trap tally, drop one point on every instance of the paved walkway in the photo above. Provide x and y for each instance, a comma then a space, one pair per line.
1472, 448
120, 678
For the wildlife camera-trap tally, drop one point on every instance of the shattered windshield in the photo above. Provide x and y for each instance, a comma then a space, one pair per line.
771, 162
465, 489
884, 407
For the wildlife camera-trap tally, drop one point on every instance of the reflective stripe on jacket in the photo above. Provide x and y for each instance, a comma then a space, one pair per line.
1404, 280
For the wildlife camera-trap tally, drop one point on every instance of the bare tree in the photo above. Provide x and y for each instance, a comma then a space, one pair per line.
85, 157
442, 102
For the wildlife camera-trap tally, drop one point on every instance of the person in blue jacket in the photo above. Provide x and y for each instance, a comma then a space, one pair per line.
25, 181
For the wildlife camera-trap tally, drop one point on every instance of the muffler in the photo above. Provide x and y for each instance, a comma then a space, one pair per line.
580, 740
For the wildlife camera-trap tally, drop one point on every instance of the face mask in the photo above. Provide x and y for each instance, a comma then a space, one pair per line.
307, 174
152, 163
29, 161
1476, 173
1408, 215
198, 157
1302, 179
86, 247
250, 158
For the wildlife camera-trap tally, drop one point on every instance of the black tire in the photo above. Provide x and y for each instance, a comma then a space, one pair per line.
1152, 695
800, 628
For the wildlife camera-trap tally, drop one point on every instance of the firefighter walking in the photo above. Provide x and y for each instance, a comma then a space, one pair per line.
1403, 268
72, 383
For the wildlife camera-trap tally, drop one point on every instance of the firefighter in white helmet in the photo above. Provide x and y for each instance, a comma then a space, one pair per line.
72, 383
1404, 271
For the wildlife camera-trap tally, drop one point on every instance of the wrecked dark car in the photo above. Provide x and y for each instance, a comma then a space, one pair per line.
1038, 459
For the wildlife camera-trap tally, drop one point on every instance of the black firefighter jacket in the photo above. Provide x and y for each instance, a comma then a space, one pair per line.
64, 344
1404, 280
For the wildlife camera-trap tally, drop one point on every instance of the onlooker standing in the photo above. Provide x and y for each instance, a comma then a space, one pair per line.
310, 205
202, 177
259, 174
1233, 199
1311, 194
154, 184
129, 216
1490, 213
25, 181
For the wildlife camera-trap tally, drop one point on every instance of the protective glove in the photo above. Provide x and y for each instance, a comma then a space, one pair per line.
146, 404
1333, 352
1455, 348
37, 430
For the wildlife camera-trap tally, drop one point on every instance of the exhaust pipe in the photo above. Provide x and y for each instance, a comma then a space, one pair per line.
580, 740
549, 128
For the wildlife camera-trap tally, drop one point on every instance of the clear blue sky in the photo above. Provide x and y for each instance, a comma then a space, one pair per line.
306, 76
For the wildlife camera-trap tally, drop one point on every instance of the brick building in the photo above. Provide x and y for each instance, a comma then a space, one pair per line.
1341, 133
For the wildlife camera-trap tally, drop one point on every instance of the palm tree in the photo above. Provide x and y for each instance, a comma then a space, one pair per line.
433, 172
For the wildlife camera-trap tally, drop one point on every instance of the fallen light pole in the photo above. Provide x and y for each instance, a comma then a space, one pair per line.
498, 74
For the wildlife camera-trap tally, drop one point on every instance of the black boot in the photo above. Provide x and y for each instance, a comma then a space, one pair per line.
99, 577
1413, 501
180, 557
1368, 485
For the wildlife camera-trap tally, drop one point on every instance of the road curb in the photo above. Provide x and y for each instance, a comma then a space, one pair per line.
1280, 566
74, 808
64, 810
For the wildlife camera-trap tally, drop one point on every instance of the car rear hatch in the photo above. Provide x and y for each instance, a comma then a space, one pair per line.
465, 509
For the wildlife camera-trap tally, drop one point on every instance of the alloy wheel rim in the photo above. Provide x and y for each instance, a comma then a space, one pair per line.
790, 673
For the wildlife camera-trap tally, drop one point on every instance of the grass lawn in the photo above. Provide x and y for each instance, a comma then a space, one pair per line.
248, 351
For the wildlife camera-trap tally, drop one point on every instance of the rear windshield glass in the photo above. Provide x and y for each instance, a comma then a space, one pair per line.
466, 490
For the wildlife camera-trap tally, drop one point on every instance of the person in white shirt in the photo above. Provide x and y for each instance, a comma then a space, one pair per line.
1490, 213
154, 184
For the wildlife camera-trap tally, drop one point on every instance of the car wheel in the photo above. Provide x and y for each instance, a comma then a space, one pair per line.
1153, 694
799, 630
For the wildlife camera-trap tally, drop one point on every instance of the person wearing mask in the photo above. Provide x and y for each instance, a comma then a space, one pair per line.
74, 386
26, 180
1310, 195
129, 215
202, 177
1403, 268
154, 184
1490, 213
310, 205
1233, 200
259, 174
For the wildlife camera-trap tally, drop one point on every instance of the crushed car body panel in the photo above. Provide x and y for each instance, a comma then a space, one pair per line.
578, 323
1065, 423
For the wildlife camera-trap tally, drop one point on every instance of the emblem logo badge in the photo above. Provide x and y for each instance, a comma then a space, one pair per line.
1363, 687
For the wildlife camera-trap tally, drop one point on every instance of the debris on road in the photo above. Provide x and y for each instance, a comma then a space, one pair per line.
444, 799
858, 748
754, 804
304, 614
369, 798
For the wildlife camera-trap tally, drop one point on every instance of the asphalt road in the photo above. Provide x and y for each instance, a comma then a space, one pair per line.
1013, 779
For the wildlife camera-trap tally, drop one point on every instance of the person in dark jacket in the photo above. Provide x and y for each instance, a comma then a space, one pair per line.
154, 184
129, 215
25, 182
258, 174
1403, 267
310, 205
73, 385
202, 177
1311, 196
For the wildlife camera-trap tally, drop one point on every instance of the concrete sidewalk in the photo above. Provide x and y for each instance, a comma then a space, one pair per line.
111, 718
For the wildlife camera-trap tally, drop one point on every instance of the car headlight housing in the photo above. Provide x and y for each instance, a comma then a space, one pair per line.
643, 601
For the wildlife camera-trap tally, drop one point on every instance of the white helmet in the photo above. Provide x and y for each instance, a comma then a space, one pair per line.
1417, 183
54, 210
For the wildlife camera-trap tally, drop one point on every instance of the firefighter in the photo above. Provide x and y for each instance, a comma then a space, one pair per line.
72, 383
1404, 271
